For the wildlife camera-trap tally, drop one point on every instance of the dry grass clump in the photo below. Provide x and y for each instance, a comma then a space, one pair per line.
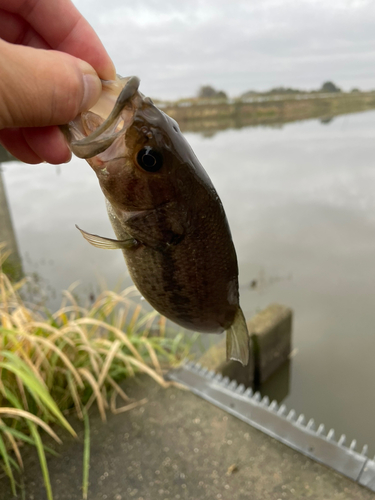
54, 363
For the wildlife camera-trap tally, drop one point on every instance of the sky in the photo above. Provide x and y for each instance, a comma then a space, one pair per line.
238, 45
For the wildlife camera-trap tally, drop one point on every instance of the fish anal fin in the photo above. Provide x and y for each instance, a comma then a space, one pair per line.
107, 243
238, 339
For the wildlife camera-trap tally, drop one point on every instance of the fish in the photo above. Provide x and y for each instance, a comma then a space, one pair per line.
165, 212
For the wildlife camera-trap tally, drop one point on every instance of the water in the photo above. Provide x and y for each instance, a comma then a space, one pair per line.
300, 200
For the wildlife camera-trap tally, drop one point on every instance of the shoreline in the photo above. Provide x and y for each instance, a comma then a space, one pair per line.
201, 116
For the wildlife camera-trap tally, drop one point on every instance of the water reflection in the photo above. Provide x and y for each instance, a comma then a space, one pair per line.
300, 202
326, 120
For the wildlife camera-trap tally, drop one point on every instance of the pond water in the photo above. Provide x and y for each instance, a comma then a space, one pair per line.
300, 200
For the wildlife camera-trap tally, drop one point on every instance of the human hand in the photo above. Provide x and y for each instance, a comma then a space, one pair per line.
41, 88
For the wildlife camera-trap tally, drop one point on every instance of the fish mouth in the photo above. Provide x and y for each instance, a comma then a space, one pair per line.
104, 131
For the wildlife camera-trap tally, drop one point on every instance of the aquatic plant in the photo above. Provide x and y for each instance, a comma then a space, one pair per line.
52, 364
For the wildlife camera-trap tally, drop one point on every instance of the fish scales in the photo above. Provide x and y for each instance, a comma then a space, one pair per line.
179, 277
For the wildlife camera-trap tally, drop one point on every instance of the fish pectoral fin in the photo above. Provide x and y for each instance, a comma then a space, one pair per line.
107, 243
238, 339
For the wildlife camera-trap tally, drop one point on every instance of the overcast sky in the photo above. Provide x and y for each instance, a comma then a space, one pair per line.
176, 46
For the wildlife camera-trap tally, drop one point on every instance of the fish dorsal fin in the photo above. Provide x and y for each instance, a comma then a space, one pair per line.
238, 339
107, 243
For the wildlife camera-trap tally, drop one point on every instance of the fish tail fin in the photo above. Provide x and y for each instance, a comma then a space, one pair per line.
238, 339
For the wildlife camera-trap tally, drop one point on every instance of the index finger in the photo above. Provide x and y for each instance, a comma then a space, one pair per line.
63, 28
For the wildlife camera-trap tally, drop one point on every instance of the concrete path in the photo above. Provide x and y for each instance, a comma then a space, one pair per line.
178, 446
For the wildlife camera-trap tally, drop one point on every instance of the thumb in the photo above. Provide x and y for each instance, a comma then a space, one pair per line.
43, 87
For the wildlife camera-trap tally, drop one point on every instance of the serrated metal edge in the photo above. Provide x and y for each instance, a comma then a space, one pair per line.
277, 422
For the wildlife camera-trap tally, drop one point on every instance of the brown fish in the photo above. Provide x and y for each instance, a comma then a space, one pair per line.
165, 212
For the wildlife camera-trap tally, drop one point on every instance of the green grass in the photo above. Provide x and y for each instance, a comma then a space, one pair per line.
64, 362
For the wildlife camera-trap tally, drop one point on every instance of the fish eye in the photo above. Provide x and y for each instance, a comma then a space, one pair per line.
150, 159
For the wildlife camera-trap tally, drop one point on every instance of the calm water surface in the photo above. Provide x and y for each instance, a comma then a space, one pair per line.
300, 200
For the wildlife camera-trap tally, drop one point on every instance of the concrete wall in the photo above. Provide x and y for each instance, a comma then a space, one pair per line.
13, 265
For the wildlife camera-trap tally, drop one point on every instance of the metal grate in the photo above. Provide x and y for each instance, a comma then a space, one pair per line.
275, 421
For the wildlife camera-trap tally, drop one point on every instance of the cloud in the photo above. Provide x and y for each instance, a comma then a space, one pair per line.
238, 45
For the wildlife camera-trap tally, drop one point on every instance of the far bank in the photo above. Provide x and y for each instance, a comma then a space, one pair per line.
211, 115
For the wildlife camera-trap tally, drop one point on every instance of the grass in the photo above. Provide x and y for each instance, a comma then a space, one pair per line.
52, 364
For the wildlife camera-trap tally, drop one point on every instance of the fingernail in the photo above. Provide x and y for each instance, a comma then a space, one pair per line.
92, 90
109, 72
63, 147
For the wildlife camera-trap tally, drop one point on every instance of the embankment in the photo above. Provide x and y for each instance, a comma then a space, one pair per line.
212, 116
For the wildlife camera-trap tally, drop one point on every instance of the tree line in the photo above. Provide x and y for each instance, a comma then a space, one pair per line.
209, 92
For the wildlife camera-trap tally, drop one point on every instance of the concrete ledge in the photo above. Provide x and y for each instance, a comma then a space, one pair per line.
271, 336
178, 446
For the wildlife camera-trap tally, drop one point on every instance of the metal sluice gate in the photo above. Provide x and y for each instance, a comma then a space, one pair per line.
275, 421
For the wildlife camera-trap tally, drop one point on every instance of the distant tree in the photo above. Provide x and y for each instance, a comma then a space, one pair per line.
249, 93
283, 90
355, 90
273, 91
206, 91
329, 87
221, 95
